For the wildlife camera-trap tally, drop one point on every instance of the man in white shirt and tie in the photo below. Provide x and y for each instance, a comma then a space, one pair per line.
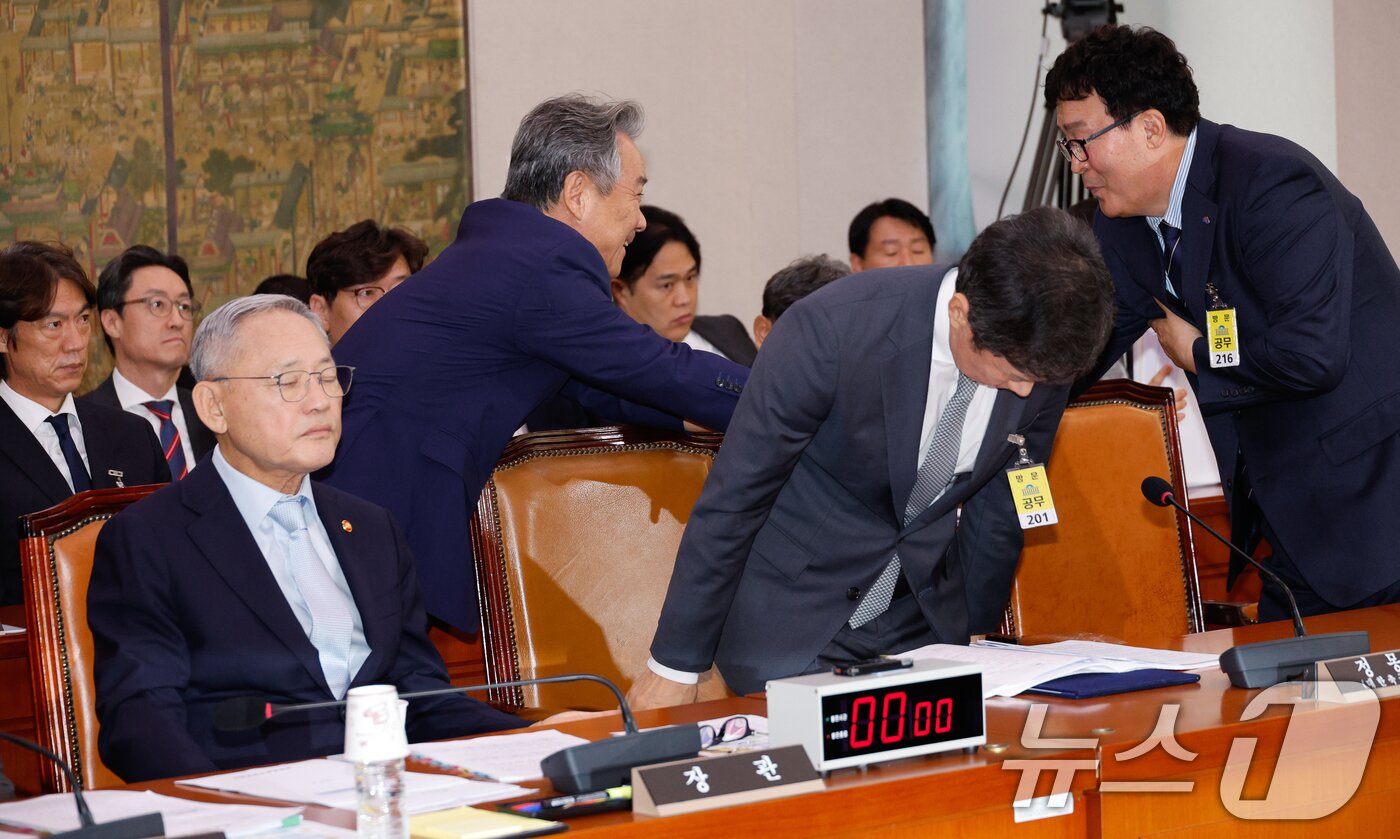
859, 505
249, 579
51, 447
147, 308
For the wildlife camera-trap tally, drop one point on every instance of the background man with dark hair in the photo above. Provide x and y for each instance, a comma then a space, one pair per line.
514, 311
289, 284
858, 505
1197, 217
351, 269
890, 234
147, 309
50, 445
659, 285
790, 285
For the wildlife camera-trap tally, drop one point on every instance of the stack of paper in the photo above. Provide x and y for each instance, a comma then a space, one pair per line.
57, 813
1008, 669
509, 758
331, 783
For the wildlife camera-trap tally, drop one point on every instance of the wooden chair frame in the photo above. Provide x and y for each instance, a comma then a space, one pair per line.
1163, 400
498, 637
56, 719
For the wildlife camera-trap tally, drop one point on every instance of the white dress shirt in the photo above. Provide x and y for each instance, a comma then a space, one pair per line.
254, 501
36, 418
693, 340
133, 400
942, 381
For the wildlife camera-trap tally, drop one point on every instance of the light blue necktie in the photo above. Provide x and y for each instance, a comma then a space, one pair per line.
332, 621
933, 477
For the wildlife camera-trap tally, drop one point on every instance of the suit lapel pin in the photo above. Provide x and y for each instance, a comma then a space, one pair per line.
346, 526
1205, 219
117, 475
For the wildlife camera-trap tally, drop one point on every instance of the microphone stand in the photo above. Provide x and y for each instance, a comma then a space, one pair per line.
1266, 663
133, 827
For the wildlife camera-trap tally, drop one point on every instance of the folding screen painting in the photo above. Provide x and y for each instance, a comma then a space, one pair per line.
237, 133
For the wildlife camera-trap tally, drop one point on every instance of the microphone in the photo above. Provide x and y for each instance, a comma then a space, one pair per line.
601, 764
133, 827
1266, 663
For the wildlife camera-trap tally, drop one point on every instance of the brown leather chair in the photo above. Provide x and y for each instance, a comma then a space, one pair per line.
575, 536
56, 549
1115, 567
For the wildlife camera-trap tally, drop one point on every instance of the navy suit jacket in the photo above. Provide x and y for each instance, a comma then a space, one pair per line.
1314, 406
449, 365
805, 504
728, 335
185, 613
29, 481
201, 438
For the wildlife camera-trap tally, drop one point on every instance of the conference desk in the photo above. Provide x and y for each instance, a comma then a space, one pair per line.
971, 795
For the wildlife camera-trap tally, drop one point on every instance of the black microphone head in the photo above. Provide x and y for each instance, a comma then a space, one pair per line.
1157, 490
241, 713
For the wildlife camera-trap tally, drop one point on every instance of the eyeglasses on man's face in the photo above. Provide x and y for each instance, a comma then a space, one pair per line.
366, 295
160, 306
293, 385
1074, 151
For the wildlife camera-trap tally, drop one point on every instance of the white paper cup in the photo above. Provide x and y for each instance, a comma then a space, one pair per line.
374, 724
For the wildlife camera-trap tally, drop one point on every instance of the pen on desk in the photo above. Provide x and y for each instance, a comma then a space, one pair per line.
564, 802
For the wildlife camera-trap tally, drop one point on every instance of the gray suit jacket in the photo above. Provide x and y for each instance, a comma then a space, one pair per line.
805, 502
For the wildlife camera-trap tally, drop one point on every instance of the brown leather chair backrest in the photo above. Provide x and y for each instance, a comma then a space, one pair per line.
1115, 566
56, 553
575, 536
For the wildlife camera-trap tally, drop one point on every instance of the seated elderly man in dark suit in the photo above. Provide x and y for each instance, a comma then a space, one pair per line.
248, 579
50, 445
147, 308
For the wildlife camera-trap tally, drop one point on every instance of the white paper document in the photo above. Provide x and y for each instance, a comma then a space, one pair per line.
1008, 669
331, 783
6, 629
57, 813
508, 758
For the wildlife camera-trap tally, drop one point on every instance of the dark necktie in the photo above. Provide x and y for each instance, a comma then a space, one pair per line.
79, 473
169, 437
933, 477
1171, 258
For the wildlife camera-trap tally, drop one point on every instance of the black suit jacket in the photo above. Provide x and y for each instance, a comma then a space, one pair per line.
201, 438
185, 613
728, 335
1314, 405
805, 504
29, 480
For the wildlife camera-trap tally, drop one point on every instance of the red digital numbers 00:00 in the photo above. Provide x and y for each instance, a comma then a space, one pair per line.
927, 715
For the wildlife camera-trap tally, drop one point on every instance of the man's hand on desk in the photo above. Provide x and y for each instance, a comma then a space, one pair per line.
653, 691
570, 716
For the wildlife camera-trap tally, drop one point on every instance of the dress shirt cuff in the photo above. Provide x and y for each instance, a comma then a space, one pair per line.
674, 675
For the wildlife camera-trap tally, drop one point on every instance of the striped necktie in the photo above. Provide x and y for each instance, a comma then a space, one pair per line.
169, 437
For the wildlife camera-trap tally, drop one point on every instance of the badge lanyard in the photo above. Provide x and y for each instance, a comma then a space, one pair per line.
1223, 334
1030, 488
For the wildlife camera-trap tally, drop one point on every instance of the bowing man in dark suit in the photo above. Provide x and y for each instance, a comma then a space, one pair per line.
1197, 219
147, 309
514, 311
50, 445
860, 505
248, 579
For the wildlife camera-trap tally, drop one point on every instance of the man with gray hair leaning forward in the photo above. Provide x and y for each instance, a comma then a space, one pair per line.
248, 580
517, 309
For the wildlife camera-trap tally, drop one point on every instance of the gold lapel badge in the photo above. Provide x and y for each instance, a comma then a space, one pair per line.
345, 525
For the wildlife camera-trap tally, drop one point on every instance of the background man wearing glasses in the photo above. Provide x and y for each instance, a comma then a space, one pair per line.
351, 269
147, 309
248, 579
50, 445
1197, 220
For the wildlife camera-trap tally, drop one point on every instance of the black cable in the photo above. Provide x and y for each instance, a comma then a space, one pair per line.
1030, 114
84, 814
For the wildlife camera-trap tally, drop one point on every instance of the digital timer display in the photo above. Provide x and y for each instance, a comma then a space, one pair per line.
883, 719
